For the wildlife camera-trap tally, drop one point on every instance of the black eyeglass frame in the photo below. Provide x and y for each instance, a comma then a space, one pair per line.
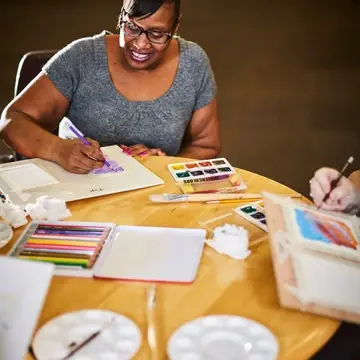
146, 32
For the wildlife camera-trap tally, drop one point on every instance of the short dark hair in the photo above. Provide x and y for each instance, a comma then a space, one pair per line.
145, 8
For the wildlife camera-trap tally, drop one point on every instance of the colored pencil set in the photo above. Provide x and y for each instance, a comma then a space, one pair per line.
66, 245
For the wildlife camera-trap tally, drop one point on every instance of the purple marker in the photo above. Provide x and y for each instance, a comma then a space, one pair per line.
85, 142
68, 232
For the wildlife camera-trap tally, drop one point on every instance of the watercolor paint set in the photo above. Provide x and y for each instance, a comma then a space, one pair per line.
201, 171
254, 213
73, 247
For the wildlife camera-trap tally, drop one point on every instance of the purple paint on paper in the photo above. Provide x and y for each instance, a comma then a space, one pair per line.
113, 168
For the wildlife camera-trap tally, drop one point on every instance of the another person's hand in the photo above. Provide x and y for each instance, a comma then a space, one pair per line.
142, 151
340, 198
78, 158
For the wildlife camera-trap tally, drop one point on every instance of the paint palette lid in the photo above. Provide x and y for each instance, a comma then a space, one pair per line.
221, 337
119, 339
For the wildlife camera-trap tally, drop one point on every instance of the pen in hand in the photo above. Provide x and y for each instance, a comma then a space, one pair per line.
336, 181
152, 323
85, 142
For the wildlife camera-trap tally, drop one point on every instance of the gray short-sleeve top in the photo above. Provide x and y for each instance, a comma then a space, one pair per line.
80, 72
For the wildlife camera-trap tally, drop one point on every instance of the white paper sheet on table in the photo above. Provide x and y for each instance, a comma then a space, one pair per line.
27, 176
23, 288
24, 181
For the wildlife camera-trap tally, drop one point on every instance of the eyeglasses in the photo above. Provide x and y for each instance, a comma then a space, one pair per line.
156, 37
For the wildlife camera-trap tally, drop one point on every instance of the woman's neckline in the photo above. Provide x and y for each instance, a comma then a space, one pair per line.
143, 102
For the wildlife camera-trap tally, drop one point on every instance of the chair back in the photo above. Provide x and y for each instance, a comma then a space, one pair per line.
29, 67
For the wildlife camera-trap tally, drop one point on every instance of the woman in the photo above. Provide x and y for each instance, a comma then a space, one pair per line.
345, 197
145, 89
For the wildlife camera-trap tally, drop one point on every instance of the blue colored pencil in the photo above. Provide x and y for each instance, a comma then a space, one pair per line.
85, 142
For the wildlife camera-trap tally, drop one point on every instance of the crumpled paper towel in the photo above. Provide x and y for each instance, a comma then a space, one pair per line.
6, 233
13, 215
231, 240
48, 208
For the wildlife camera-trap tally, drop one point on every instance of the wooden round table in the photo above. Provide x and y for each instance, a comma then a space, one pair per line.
223, 285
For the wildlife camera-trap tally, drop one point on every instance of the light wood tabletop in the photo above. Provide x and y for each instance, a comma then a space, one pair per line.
223, 285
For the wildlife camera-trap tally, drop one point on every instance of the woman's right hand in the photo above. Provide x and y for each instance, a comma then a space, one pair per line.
340, 198
78, 158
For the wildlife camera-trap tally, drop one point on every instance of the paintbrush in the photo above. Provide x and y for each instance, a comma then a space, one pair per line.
77, 347
229, 201
171, 198
335, 182
151, 323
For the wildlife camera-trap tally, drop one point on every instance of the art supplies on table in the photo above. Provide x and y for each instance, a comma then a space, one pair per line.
316, 257
24, 181
201, 170
210, 198
223, 337
172, 198
105, 250
234, 183
91, 334
253, 212
152, 254
23, 288
72, 246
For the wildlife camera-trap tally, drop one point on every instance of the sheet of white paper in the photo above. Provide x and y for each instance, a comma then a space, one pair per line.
61, 184
27, 176
328, 281
23, 287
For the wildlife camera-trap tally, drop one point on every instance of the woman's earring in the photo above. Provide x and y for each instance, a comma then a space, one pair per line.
122, 38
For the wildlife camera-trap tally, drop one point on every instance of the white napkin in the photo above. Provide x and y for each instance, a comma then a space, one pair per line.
48, 208
231, 240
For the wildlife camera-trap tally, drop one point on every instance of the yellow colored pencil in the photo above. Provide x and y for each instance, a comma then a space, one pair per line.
55, 260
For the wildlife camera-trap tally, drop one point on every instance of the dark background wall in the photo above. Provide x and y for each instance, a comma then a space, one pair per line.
288, 72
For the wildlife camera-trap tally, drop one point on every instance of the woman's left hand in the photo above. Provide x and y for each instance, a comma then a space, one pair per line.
142, 151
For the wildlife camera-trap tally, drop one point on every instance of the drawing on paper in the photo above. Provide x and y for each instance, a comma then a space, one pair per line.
113, 168
325, 229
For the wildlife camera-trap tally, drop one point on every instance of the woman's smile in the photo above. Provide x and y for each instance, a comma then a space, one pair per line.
140, 57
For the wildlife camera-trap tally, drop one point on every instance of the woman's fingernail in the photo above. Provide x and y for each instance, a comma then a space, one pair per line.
143, 153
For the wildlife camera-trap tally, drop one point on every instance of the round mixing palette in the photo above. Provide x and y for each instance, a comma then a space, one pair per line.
222, 337
119, 338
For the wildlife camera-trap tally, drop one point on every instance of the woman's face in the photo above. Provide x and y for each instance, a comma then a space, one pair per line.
146, 51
